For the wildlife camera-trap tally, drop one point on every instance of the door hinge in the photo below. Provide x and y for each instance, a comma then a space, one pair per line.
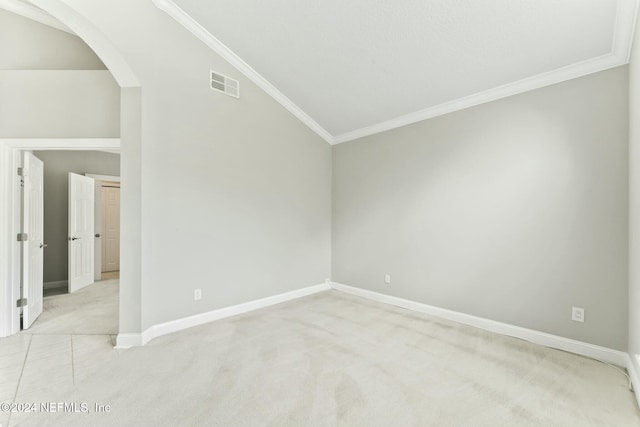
21, 302
23, 237
22, 172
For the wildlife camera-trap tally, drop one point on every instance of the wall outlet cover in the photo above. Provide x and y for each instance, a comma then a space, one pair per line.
577, 314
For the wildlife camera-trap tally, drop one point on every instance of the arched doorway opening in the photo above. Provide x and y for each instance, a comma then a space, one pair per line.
130, 141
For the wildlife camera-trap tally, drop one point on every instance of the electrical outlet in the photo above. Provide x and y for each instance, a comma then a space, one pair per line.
387, 279
197, 294
577, 314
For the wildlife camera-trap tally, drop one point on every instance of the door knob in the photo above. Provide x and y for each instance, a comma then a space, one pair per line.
97, 235
43, 245
73, 238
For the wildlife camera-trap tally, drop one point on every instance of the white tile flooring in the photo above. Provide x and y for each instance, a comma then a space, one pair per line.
51, 355
32, 366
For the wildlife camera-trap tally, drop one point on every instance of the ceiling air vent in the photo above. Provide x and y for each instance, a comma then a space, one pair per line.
225, 84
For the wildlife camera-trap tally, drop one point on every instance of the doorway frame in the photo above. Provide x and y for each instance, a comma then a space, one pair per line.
11, 211
99, 179
131, 279
111, 178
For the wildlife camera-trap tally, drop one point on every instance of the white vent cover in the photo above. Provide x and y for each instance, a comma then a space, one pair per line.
225, 84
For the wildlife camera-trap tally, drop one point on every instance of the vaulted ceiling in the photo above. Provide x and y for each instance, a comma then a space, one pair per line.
353, 68
357, 67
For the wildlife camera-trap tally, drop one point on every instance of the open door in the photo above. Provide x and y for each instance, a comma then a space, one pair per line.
32, 243
81, 238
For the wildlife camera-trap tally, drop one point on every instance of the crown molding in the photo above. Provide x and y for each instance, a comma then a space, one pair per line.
34, 13
620, 53
624, 29
221, 49
541, 80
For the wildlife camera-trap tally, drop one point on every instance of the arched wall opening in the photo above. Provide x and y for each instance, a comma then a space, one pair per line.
130, 320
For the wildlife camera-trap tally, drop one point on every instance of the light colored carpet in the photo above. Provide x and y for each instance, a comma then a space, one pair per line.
90, 310
324, 360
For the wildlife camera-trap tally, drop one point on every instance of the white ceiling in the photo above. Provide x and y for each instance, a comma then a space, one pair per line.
354, 68
357, 67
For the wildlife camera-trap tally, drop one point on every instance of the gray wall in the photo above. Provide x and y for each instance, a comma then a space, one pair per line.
59, 104
41, 47
130, 208
634, 202
57, 165
515, 210
52, 85
236, 194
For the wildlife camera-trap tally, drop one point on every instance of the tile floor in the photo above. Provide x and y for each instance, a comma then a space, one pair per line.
52, 354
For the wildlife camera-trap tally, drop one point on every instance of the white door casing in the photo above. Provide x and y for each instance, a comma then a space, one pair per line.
110, 229
11, 159
81, 236
97, 228
33, 246
99, 181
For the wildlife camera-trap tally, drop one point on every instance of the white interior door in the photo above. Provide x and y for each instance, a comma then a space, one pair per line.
81, 238
110, 229
33, 246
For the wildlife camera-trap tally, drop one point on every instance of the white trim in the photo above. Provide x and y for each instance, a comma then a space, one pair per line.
97, 177
93, 37
126, 78
56, 284
134, 340
627, 11
633, 375
124, 341
9, 249
10, 214
62, 143
573, 71
221, 49
597, 352
6, 290
34, 13
624, 29
10, 224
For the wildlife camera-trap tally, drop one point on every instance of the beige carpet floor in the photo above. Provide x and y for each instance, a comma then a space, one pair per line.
330, 359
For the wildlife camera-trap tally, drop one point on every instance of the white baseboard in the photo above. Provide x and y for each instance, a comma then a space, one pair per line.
128, 340
605, 354
56, 284
136, 340
633, 364
616, 357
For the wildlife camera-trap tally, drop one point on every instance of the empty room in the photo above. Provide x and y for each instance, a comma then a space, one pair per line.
330, 213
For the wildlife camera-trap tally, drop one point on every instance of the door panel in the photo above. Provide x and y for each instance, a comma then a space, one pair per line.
110, 229
81, 237
32, 249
